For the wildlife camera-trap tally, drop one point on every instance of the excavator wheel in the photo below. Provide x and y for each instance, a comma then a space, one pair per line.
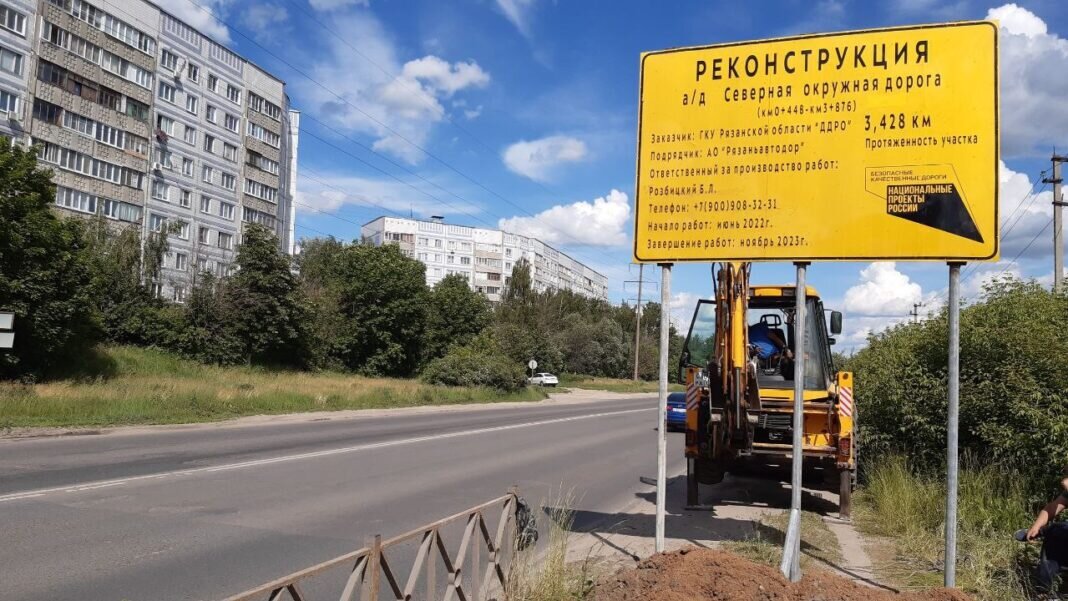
708, 471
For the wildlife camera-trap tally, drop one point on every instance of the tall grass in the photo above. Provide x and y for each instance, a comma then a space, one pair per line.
144, 386
765, 545
909, 509
546, 574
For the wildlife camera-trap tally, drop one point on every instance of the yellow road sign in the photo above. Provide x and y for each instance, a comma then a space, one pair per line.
879, 144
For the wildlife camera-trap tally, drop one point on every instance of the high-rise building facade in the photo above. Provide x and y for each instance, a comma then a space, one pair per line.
484, 257
148, 122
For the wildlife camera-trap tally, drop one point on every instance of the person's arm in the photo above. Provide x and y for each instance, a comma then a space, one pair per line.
1046, 516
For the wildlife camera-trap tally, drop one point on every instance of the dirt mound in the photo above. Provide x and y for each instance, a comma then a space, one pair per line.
707, 575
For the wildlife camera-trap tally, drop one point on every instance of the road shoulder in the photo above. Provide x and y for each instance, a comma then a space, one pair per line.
555, 399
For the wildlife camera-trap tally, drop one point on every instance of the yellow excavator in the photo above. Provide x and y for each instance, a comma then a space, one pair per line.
740, 402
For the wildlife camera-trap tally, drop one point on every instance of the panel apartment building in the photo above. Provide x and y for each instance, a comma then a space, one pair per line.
484, 257
149, 123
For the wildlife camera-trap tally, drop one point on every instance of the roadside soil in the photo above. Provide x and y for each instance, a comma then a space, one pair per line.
696, 574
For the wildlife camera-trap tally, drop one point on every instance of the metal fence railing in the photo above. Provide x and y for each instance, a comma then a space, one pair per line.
383, 570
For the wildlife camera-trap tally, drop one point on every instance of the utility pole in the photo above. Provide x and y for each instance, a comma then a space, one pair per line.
1058, 221
638, 320
915, 313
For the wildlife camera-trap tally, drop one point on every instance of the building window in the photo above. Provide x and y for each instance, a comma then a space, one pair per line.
205, 204
209, 143
123, 211
465, 260
259, 190
204, 236
226, 241
254, 216
160, 190
233, 93
267, 137
263, 163
423, 257
191, 103
190, 135
230, 152
493, 277
261, 105
164, 158
166, 92
165, 124
9, 103
47, 112
231, 122
212, 114
202, 265
192, 72
187, 167
181, 261
75, 200
13, 20
226, 210
155, 222
179, 294
450, 259
168, 60
213, 83
228, 181
183, 230
186, 198
207, 174
157, 290
10, 61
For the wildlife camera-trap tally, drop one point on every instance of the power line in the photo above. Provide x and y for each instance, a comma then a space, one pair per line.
383, 125
371, 149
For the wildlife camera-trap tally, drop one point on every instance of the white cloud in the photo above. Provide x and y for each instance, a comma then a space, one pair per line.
200, 18
327, 193
392, 110
882, 290
681, 306
1026, 225
518, 12
1034, 116
539, 159
598, 223
264, 20
328, 5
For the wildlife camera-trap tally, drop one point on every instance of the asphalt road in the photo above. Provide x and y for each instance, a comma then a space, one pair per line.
207, 512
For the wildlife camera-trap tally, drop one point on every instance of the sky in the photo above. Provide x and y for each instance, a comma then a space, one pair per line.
522, 115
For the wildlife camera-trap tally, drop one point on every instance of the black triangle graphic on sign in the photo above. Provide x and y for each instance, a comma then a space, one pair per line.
934, 205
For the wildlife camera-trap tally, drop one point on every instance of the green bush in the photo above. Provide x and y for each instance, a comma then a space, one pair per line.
477, 364
1014, 386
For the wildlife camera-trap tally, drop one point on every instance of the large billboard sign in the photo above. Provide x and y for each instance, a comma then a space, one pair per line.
864, 145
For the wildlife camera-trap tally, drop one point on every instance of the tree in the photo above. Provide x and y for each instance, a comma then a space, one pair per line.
266, 306
207, 331
455, 315
44, 271
1013, 389
122, 294
382, 296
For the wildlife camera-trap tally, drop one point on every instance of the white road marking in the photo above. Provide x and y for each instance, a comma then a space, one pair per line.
299, 456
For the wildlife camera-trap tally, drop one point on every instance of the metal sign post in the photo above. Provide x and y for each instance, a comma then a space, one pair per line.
661, 435
791, 556
952, 425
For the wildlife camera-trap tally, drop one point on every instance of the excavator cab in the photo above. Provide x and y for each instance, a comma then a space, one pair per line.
742, 401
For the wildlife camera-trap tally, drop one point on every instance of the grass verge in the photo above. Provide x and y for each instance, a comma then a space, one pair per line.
144, 386
908, 509
613, 384
818, 543
547, 575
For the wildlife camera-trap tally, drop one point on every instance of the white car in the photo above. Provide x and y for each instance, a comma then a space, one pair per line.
544, 379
